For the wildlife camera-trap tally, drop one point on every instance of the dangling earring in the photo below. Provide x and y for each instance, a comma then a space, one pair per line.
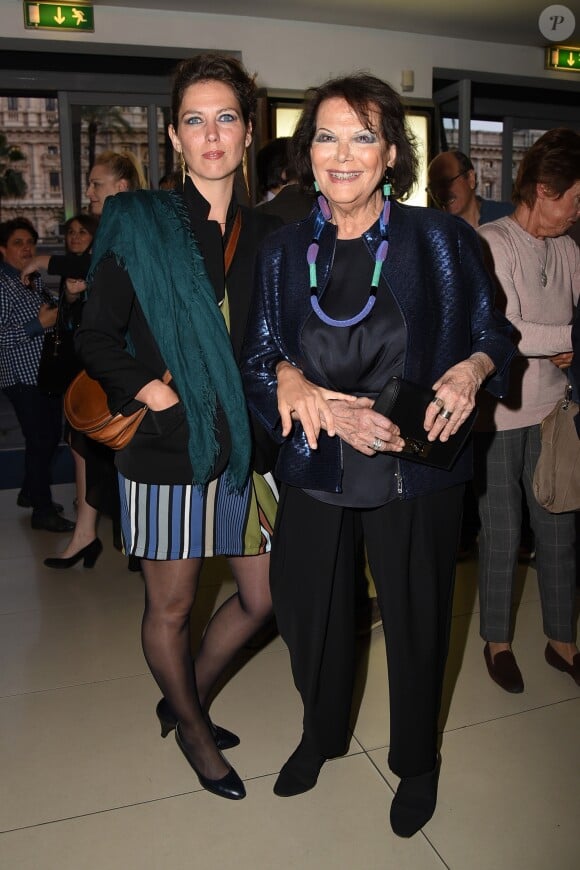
387, 186
182, 166
245, 171
322, 203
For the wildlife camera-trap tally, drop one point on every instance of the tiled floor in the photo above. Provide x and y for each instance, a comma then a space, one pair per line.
86, 783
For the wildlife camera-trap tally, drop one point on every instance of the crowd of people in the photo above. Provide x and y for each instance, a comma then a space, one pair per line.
256, 339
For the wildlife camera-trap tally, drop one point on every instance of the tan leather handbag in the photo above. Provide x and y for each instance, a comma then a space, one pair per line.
86, 409
557, 474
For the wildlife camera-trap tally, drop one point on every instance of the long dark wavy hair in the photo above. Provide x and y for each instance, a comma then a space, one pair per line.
365, 94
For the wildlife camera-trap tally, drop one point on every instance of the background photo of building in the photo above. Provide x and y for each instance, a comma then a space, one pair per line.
31, 125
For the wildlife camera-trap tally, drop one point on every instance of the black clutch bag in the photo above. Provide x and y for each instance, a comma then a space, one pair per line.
405, 404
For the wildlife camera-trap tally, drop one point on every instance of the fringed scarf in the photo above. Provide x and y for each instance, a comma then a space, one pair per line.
148, 233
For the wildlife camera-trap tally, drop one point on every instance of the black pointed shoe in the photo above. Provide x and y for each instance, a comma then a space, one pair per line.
224, 739
229, 786
414, 802
556, 661
503, 669
300, 773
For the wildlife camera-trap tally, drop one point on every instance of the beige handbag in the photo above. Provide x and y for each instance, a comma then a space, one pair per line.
557, 474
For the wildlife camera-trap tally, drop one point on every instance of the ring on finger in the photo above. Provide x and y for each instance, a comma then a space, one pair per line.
437, 401
377, 444
445, 413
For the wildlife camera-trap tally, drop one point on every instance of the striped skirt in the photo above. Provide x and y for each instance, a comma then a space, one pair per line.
175, 521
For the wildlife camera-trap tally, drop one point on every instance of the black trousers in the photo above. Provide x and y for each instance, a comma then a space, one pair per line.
412, 548
40, 418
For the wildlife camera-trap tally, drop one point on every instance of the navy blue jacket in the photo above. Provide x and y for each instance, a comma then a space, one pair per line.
436, 274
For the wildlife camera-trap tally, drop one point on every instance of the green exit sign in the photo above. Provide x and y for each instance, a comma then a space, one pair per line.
58, 16
563, 57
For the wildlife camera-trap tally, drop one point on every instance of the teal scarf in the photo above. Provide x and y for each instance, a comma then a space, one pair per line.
148, 234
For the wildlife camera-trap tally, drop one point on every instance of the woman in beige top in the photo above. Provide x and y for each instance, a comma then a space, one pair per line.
537, 270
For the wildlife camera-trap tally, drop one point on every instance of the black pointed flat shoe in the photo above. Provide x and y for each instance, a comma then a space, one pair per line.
229, 786
503, 669
88, 554
556, 661
301, 771
224, 739
414, 802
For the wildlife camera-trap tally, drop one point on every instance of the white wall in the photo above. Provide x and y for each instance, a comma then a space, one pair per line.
293, 55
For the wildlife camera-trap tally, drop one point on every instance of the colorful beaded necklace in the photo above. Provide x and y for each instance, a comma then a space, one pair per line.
323, 216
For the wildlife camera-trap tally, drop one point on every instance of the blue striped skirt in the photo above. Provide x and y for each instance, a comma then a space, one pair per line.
175, 521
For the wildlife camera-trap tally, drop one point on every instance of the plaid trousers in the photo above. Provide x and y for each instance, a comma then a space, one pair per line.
502, 461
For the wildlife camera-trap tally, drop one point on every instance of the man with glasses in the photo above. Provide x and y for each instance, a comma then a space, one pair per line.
452, 183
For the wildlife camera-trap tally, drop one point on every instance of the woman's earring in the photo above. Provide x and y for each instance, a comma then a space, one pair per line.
245, 171
387, 186
322, 203
182, 166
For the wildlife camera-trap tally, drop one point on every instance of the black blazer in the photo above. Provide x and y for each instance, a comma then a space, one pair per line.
158, 452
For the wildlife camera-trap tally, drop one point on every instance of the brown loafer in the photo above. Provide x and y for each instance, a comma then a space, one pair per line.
504, 671
555, 659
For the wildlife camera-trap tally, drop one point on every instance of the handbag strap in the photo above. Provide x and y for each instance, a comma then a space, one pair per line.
233, 241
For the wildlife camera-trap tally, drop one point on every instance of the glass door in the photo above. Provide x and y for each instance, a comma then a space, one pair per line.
93, 123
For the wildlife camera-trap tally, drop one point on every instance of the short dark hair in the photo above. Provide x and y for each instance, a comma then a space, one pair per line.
211, 66
463, 161
89, 221
553, 160
8, 228
364, 93
272, 164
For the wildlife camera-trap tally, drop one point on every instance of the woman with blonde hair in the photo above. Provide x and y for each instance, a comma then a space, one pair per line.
111, 173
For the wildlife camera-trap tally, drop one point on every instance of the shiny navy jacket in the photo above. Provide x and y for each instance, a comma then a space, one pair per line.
435, 272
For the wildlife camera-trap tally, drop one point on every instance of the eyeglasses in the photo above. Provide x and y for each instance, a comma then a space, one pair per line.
443, 184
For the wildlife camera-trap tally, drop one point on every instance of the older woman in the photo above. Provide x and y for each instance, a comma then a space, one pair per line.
537, 270
382, 290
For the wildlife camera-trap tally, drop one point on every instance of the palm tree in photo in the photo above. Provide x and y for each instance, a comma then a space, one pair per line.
12, 183
99, 119
94, 120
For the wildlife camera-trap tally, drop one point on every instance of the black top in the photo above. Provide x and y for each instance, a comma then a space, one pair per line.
357, 360
158, 452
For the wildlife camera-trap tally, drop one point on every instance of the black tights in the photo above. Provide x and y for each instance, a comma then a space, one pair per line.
170, 593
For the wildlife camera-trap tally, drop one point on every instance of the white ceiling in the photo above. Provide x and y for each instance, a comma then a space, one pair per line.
508, 21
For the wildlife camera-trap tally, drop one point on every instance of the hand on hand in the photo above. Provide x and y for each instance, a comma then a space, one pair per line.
300, 400
364, 429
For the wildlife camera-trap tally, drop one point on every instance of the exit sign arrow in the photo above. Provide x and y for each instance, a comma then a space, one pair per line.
59, 16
